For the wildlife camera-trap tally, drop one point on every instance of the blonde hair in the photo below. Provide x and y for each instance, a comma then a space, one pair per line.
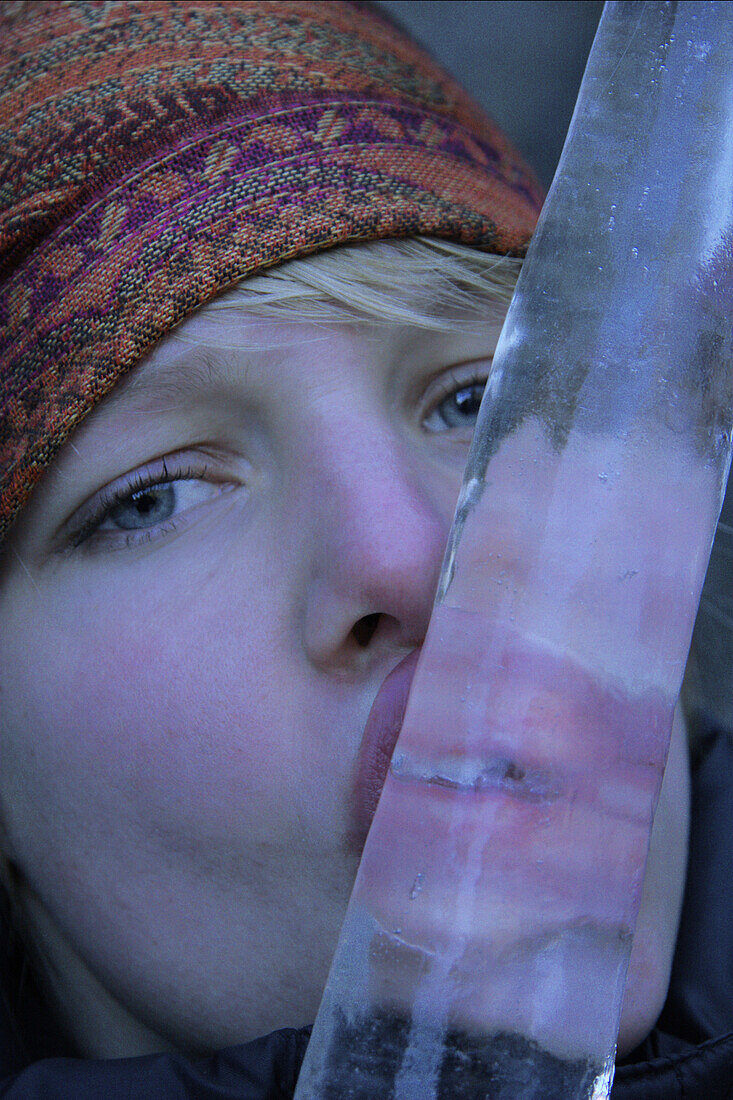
419, 281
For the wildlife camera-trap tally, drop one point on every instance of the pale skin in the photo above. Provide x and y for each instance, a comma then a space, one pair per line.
181, 709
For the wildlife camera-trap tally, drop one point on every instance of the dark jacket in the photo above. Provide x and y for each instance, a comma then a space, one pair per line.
688, 1056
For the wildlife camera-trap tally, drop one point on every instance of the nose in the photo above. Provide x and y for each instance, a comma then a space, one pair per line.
383, 520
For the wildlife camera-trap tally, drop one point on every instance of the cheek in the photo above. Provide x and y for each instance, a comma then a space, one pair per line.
189, 774
153, 730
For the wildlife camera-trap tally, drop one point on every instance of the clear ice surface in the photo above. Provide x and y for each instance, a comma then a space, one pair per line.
485, 947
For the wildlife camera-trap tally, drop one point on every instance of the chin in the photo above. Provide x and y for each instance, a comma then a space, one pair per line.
655, 936
646, 990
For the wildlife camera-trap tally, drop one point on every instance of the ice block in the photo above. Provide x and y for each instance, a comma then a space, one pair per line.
487, 938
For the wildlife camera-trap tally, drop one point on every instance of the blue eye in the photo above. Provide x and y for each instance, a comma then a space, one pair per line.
144, 508
463, 405
459, 407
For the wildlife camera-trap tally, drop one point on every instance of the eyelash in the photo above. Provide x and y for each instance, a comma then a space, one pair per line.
454, 382
138, 482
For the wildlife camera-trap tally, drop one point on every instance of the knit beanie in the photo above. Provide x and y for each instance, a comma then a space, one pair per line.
154, 153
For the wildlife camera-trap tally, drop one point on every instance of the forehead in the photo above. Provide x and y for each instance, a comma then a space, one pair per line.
224, 370
235, 344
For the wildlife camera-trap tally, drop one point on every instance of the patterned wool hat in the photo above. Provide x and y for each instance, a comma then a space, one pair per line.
154, 152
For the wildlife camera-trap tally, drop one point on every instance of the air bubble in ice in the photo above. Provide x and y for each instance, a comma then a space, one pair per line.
416, 886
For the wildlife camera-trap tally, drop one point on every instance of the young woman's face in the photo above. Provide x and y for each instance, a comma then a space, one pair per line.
199, 607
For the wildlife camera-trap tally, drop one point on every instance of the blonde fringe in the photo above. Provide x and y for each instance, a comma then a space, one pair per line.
421, 281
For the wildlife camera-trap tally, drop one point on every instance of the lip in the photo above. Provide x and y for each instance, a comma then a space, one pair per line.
515, 716
377, 744
541, 779
474, 775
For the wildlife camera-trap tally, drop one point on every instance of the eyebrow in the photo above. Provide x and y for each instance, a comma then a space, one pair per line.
199, 367
181, 380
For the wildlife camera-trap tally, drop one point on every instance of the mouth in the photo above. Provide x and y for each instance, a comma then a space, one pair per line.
531, 769
377, 745
473, 775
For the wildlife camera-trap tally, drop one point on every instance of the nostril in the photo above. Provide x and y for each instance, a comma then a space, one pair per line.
365, 629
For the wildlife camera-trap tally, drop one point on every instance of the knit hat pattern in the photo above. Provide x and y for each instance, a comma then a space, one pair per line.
154, 153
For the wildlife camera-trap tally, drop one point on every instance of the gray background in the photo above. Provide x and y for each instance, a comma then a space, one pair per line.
523, 60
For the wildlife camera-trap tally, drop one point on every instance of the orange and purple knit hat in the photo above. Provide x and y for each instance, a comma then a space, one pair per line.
154, 153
